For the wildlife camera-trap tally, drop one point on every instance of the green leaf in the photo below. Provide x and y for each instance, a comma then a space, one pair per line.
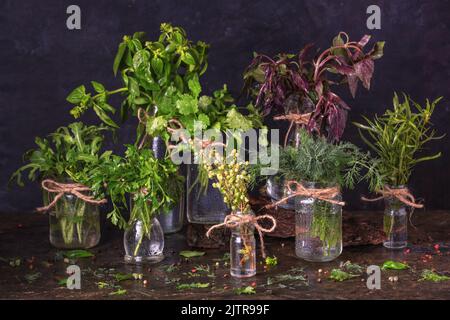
119, 292
339, 275
77, 95
104, 117
157, 65
75, 254
197, 285
204, 119
236, 120
123, 276
191, 254
245, 290
156, 125
32, 277
394, 265
194, 86
62, 282
271, 261
429, 275
98, 87
119, 56
188, 59
134, 87
187, 105
377, 51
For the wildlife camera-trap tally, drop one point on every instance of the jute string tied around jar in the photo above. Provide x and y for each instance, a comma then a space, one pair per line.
402, 194
301, 119
233, 221
325, 194
60, 189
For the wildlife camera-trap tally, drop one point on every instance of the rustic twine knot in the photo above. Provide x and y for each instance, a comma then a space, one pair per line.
76, 189
325, 194
301, 119
402, 194
234, 220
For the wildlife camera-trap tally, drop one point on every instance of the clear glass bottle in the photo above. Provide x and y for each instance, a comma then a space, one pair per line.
74, 223
243, 250
141, 246
318, 228
276, 190
203, 207
395, 222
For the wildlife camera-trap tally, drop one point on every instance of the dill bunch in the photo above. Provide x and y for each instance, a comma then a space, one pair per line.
320, 161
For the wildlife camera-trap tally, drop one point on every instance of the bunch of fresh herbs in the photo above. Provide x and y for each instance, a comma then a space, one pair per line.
397, 137
292, 83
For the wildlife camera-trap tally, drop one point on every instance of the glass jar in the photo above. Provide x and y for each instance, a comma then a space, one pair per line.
203, 206
276, 189
243, 250
318, 227
142, 246
395, 222
74, 223
173, 220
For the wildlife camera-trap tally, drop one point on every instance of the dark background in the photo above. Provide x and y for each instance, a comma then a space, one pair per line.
41, 61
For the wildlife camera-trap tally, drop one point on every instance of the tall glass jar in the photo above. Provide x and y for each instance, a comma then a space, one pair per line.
318, 227
203, 206
395, 222
243, 250
276, 190
173, 220
74, 223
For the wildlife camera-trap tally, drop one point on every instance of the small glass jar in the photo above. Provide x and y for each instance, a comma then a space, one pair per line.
142, 246
318, 227
74, 223
395, 222
243, 250
203, 206
277, 190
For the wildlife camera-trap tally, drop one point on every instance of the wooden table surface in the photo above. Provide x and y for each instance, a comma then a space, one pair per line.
25, 237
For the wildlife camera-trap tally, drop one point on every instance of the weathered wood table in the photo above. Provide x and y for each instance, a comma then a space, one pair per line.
31, 269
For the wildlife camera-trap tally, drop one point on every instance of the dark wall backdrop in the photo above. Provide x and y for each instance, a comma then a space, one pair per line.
41, 61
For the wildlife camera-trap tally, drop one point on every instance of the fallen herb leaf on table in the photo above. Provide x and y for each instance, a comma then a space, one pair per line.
123, 276
429, 275
271, 261
119, 292
32, 277
394, 265
74, 254
339, 275
196, 285
352, 267
191, 254
245, 290
62, 282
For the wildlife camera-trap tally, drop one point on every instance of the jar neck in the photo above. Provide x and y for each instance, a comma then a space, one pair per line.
318, 185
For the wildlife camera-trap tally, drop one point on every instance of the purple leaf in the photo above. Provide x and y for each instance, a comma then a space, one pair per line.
364, 40
352, 80
364, 71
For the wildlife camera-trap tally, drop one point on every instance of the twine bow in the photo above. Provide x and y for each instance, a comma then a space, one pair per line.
233, 221
76, 189
402, 194
294, 118
324, 194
